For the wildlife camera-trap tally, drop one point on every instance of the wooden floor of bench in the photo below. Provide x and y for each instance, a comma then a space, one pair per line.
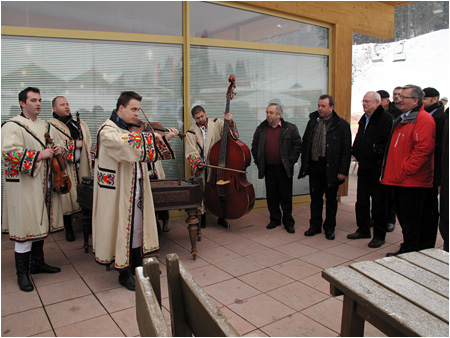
405, 295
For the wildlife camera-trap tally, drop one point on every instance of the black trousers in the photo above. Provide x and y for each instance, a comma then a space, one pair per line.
317, 188
409, 204
279, 192
429, 228
391, 216
369, 186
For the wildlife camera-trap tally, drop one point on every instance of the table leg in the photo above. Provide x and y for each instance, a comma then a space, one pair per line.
193, 226
352, 325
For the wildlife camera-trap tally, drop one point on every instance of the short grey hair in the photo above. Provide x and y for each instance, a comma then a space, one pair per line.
278, 108
416, 92
376, 96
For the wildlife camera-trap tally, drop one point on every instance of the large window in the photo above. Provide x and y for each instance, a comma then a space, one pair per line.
295, 81
91, 75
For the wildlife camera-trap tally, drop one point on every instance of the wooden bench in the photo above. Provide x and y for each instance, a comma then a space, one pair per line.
149, 316
191, 310
405, 295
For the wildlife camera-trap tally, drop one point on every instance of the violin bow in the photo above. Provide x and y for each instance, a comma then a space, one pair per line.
47, 175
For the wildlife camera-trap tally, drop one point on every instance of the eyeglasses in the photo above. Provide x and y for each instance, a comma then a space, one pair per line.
365, 101
407, 97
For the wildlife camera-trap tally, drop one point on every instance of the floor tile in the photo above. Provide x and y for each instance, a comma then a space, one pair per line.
297, 295
74, 311
297, 325
208, 275
348, 251
102, 281
218, 254
246, 247
67, 273
239, 266
117, 299
266, 279
102, 326
25, 323
261, 310
126, 320
269, 257
231, 291
328, 313
59, 292
45, 334
317, 282
19, 301
296, 269
324, 259
240, 324
295, 249
9, 284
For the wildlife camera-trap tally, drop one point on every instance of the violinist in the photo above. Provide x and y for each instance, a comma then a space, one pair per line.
199, 140
123, 215
25, 214
74, 134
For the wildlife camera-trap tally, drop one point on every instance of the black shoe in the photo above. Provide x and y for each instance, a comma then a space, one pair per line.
400, 251
357, 235
312, 232
390, 227
203, 221
376, 243
70, 236
126, 279
272, 225
23, 270
330, 235
223, 222
37, 260
290, 229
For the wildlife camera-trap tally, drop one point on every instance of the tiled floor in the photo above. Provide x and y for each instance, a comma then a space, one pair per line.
267, 282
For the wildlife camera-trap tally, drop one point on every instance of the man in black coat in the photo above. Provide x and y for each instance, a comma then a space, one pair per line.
276, 147
368, 148
326, 155
428, 232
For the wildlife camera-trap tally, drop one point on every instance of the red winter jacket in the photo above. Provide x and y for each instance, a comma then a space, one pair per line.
409, 160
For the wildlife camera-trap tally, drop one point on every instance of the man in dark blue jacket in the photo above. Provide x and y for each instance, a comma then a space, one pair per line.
276, 147
368, 148
326, 155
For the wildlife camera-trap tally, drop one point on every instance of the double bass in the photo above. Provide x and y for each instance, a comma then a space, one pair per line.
228, 194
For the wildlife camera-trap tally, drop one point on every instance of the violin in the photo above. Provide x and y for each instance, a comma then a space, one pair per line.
228, 194
60, 180
154, 127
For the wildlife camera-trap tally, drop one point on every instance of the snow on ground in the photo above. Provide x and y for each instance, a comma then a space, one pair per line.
426, 65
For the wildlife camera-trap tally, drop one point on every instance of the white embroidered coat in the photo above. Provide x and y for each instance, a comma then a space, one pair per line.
118, 153
62, 136
26, 180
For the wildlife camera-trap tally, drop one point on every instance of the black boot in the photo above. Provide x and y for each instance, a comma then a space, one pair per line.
126, 279
37, 260
23, 270
223, 222
70, 237
203, 221
136, 259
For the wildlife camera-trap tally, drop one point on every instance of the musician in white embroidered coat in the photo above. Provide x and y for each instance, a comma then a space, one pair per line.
74, 135
200, 138
123, 211
25, 216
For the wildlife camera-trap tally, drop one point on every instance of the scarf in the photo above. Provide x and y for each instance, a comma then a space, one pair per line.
70, 123
319, 144
117, 120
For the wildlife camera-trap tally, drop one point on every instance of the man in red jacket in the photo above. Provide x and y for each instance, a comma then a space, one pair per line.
408, 164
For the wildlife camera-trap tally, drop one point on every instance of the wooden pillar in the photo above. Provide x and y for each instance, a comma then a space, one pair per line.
341, 85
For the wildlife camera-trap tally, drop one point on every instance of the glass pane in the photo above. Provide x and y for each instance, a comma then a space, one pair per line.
293, 80
221, 22
91, 75
147, 17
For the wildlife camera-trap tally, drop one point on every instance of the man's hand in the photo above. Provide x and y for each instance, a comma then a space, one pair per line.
79, 144
159, 137
46, 153
172, 132
228, 117
341, 177
56, 150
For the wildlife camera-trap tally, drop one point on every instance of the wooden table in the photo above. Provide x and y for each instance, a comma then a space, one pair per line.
406, 295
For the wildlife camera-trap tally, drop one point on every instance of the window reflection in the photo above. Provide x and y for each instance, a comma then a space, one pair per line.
295, 81
221, 22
